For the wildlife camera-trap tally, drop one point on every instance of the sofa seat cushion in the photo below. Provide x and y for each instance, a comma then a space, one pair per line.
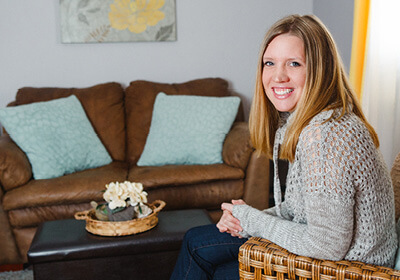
32, 217
190, 186
103, 104
208, 195
161, 176
79, 187
139, 101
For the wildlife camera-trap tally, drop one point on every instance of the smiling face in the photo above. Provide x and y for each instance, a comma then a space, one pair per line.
284, 71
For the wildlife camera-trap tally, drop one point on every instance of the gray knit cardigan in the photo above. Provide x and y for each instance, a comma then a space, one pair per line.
339, 199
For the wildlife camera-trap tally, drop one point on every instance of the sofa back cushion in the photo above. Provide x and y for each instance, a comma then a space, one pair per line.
139, 101
103, 104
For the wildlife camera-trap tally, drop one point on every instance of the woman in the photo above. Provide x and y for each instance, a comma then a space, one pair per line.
339, 199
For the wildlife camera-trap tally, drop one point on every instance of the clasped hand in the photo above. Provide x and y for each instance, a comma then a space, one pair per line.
228, 223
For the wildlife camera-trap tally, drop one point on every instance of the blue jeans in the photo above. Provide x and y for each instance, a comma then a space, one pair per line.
208, 254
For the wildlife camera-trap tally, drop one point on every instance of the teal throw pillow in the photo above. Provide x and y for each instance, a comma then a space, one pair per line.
188, 130
56, 136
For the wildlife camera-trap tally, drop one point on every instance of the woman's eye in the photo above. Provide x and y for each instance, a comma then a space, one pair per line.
295, 64
268, 63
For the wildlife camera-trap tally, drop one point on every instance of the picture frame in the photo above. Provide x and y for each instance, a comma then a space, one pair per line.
102, 21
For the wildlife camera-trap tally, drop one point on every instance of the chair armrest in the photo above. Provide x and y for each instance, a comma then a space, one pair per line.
237, 147
262, 259
15, 169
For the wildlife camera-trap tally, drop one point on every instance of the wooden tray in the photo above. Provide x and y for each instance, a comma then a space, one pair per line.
111, 228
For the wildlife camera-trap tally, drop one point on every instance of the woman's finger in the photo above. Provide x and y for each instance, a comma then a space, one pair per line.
238, 202
221, 227
227, 206
230, 222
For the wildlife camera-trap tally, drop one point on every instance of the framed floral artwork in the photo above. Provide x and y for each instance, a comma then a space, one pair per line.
98, 21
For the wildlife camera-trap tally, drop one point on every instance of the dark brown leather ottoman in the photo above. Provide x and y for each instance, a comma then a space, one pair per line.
65, 250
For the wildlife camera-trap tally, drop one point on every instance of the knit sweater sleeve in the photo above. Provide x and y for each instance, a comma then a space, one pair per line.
325, 160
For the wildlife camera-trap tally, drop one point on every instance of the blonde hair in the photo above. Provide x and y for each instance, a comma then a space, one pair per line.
326, 87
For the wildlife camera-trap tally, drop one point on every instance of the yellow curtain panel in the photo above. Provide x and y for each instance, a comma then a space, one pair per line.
358, 51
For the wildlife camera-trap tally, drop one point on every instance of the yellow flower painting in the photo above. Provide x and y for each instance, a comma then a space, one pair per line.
135, 15
100, 21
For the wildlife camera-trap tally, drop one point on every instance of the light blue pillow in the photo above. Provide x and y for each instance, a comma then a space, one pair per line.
56, 136
187, 130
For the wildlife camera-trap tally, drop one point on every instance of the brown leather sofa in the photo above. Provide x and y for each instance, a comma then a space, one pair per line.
121, 118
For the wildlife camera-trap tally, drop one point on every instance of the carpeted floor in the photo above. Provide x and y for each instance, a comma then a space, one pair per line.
26, 274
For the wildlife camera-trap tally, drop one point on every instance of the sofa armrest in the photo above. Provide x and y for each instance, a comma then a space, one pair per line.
237, 146
257, 181
8, 247
239, 152
15, 169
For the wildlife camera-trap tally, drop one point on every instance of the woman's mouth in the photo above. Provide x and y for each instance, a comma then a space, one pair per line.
282, 93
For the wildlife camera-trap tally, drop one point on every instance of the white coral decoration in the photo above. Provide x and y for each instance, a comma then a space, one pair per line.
123, 194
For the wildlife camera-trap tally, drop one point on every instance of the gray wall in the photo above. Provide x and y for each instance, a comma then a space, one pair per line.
215, 39
338, 17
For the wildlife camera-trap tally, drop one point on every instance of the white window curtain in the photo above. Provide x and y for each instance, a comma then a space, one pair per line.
381, 83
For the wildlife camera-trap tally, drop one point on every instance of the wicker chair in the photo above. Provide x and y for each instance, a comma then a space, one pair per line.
262, 259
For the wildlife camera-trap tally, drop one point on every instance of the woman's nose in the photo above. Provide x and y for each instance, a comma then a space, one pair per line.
281, 75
